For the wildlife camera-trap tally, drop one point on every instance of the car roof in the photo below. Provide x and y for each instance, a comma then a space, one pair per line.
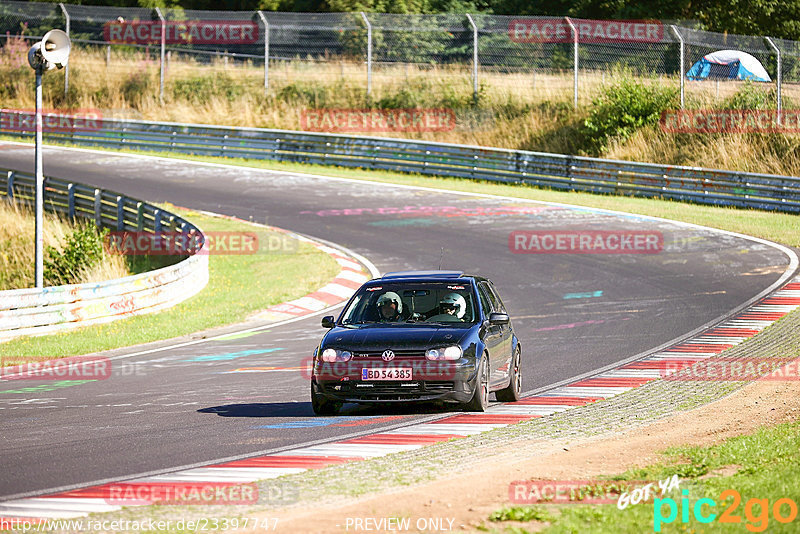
421, 276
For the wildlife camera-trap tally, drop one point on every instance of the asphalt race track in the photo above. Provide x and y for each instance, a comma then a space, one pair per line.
178, 406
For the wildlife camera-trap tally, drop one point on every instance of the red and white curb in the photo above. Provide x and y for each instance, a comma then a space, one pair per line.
707, 344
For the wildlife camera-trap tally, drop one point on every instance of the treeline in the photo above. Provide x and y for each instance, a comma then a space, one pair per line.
777, 18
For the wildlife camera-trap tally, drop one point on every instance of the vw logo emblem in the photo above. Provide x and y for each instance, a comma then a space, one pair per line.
387, 355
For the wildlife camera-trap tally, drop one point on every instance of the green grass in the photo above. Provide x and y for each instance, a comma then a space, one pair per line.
238, 286
766, 465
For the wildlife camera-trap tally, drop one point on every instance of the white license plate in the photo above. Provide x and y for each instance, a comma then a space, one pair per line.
389, 373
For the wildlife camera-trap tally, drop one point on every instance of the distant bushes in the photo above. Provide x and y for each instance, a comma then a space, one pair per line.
622, 108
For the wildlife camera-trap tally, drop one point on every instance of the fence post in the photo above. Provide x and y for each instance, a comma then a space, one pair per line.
777, 76
474, 58
369, 52
266, 50
163, 46
574, 61
66, 67
681, 65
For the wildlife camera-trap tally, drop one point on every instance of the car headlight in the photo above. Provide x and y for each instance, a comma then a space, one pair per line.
336, 355
449, 353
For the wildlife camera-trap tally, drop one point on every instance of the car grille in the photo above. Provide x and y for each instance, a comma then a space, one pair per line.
399, 354
389, 390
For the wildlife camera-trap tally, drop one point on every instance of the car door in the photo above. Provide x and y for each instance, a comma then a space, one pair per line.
502, 356
493, 338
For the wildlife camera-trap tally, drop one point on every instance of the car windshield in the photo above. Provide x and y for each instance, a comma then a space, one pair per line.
442, 303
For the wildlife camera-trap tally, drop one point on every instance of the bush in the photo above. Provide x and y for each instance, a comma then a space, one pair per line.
752, 96
82, 251
202, 89
623, 108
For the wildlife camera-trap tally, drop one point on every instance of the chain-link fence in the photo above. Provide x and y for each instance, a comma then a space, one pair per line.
387, 56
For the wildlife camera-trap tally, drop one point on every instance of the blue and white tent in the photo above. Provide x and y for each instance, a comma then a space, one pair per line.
729, 65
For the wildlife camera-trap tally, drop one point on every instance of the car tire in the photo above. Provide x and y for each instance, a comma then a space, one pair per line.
512, 392
480, 398
323, 406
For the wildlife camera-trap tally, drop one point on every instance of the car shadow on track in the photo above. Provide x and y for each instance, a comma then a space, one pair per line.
303, 409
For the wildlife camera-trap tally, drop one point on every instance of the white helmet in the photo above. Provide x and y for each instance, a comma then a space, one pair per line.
456, 301
391, 296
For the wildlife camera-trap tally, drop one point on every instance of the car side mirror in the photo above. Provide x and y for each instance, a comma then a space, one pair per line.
328, 321
498, 319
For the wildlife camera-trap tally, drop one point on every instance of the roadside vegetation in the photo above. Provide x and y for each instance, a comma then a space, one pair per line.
762, 466
73, 254
618, 116
239, 285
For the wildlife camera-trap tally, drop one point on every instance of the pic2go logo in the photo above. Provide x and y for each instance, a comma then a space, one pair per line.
702, 511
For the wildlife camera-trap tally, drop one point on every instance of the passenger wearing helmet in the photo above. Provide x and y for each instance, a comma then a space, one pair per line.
390, 307
452, 308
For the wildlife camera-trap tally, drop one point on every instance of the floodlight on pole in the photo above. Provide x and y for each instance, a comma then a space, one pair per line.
49, 53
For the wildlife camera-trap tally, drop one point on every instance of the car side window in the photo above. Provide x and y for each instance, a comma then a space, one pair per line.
484, 300
497, 303
489, 296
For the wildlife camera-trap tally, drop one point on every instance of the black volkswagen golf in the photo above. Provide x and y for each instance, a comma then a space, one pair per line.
418, 336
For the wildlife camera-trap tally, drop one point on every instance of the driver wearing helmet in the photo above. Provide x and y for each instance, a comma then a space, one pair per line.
390, 307
452, 308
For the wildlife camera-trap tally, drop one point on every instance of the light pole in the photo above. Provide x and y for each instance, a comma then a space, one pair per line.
51, 52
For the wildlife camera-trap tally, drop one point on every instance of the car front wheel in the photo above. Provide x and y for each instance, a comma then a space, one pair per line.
323, 406
480, 398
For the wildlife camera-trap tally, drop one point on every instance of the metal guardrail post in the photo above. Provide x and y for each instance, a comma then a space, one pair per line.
369, 53
266, 49
778, 77
66, 30
71, 201
163, 47
120, 213
10, 186
157, 221
98, 206
474, 58
682, 73
139, 216
574, 61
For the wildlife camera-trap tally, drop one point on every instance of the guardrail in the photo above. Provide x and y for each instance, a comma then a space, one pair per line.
573, 173
34, 312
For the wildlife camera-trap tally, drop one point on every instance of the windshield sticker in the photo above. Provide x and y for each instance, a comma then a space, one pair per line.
374, 288
455, 287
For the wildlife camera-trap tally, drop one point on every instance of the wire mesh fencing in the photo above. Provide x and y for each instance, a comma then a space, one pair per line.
392, 60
